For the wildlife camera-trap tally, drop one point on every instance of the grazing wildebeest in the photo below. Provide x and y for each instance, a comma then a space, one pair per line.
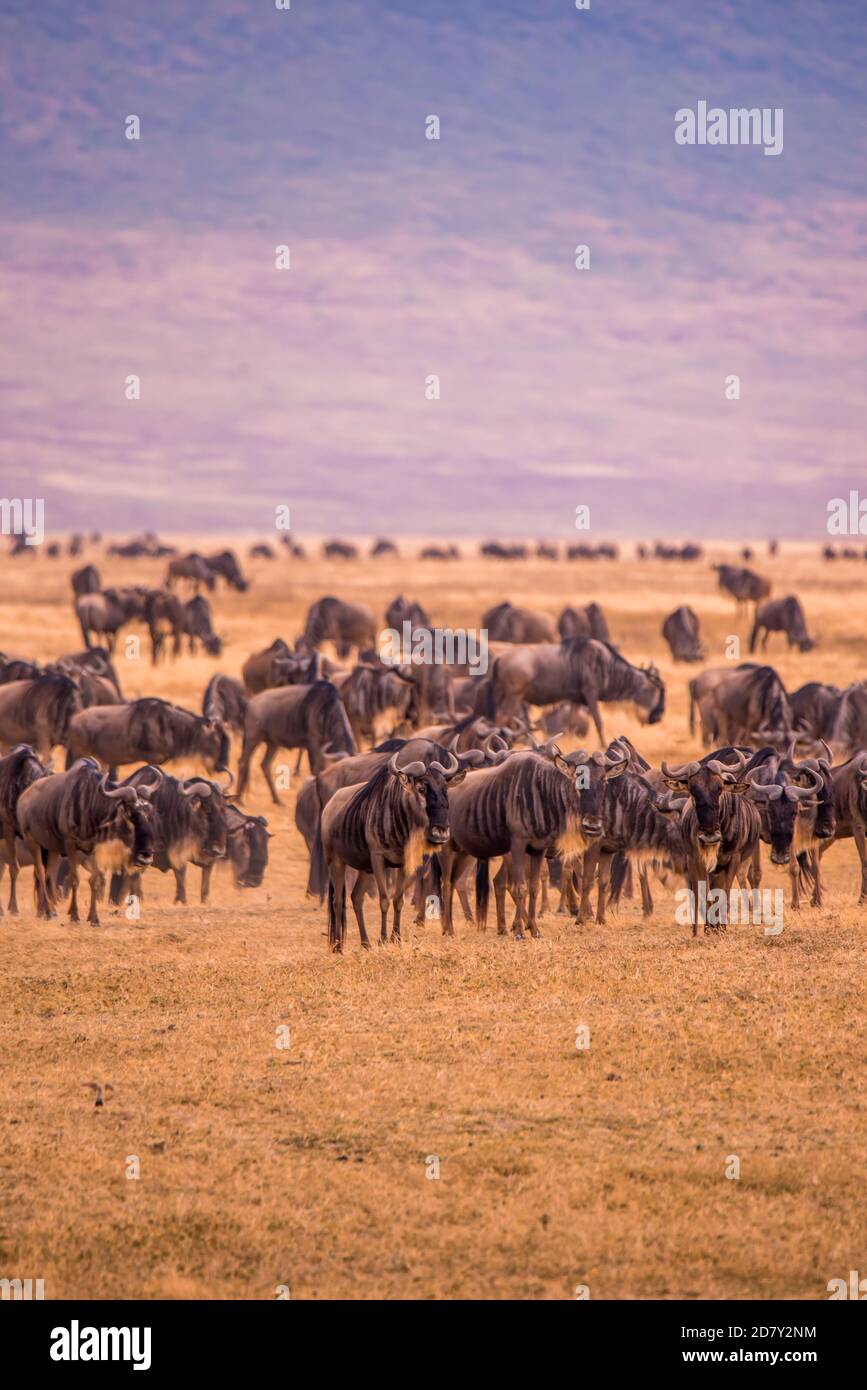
719, 824
77, 815
339, 550
506, 623
815, 707
193, 567
247, 852
681, 632
17, 770
495, 550
164, 615
146, 731
439, 552
189, 828
225, 564
347, 625
96, 661
586, 621
262, 551
225, 700
96, 680
527, 806
782, 615
849, 728
376, 699
403, 610
86, 580
382, 547
198, 626
700, 695
38, 712
581, 670
544, 551
106, 613
311, 717
752, 705
389, 822
744, 585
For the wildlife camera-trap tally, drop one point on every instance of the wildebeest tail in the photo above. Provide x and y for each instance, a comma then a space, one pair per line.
483, 892
619, 870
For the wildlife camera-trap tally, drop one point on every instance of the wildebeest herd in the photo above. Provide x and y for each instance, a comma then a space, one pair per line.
422, 775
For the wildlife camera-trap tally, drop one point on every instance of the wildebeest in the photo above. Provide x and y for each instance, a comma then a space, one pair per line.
77, 814
347, 625
439, 552
389, 822
193, 567
106, 613
376, 699
311, 717
198, 626
681, 632
164, 615
17, 668
93, 673
814, 708
581, 670
262, 551
586, 621
247, 850
544, 551
146, 731
795, 820
701, 689
744, 585
382, 547
782, 615
849, 727
496, 550
257, 672
339, 550
225, 564
189, 828
225, 700
752, 705
17, 770
86, 580
506, 623
527, 806
38, 712
850, 806
719, 825
403, 610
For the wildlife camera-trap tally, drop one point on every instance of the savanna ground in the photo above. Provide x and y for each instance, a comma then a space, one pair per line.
306, 1166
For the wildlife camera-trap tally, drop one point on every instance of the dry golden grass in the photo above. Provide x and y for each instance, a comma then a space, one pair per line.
306, 1166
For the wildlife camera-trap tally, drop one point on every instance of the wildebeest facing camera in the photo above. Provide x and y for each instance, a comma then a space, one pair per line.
433, 703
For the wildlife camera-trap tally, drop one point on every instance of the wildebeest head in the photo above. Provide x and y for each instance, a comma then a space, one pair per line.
212, 743
248, 851
206, 803
588, 773
705, 783
650, 701
133, 818
429, 785
825, 823
783, 802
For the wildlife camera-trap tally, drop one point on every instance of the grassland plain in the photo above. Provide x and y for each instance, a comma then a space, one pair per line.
305, 1166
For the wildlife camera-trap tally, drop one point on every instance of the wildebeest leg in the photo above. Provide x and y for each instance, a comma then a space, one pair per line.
536, 865
592, 857
453, 863
206, 882
544, 881
593, 709
794, 876
397, 904
97, 883
298, 762
501, 881
463, 894
337, 904
73, 860
646, 895
248, 748
756, 866
380, 874
861, 846
815, 860
359, 889
40, 890
270, 754
181, 885
519, 886
13, 871
605, 862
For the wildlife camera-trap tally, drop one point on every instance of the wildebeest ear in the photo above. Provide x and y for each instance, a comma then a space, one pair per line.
738, 788
457, 777
562, 766
675, 783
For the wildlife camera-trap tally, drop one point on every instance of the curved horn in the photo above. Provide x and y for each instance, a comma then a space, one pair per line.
197, 788
677, 774
493, 743
231, 777
765, 791
127, 794
803, 793
451, 768
414, 769
151, 788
